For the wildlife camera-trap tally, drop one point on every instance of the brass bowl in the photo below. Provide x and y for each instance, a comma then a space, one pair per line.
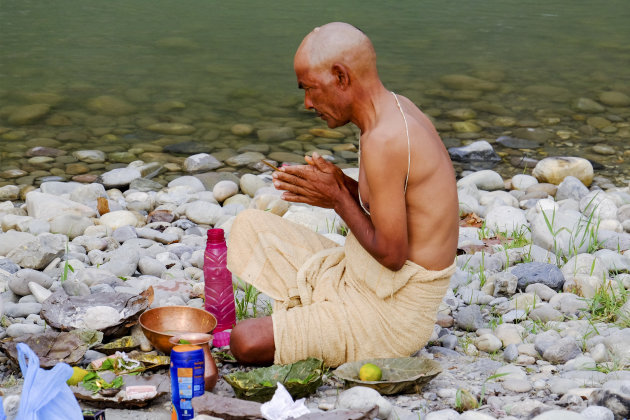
160, 324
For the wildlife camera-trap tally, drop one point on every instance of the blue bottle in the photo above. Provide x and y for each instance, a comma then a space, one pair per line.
187, 369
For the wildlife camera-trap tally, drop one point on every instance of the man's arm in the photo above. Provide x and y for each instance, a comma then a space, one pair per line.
322, 184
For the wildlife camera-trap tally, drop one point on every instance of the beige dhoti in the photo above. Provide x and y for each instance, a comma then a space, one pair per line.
335, 303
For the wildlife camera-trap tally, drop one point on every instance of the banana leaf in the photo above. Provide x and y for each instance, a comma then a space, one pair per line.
400, 375
301, 379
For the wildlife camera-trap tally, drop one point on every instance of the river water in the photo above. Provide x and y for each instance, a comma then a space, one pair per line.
212, 64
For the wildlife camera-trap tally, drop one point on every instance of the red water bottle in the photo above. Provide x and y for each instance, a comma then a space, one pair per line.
218, 281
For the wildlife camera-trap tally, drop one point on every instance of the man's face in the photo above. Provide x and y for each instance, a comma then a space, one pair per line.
321, 94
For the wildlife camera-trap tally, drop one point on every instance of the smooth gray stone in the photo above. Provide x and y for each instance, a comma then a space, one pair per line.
595, 412
510, 353
571, 188
8, 265
17, 330
476, 151
517, 143
546, 339
449, 341
22, 310
20, 280
536, 272
469, 318
75, 288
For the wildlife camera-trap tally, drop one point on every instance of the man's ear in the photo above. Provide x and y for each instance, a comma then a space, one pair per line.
341, 74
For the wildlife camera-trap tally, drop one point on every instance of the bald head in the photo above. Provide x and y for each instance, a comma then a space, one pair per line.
338, 43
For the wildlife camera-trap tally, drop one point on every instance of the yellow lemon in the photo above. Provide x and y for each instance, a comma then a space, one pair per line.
77, 375
370, 372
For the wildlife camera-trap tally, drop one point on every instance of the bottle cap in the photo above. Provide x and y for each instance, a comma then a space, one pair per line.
221, 339
215, 235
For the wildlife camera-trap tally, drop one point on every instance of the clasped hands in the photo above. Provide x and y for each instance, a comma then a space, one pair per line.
320, 183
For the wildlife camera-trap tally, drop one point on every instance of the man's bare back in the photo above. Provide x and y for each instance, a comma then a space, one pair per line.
431, 197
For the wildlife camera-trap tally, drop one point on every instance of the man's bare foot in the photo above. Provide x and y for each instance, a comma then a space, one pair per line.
251, 341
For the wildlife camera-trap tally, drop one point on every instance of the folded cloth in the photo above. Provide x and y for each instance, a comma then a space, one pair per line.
335, 303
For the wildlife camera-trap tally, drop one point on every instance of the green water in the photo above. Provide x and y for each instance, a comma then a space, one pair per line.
231, 62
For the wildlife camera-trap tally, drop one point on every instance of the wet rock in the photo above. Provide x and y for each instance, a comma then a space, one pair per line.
464, 82
615, 99
476, 151
186, 148
201, 162
286, 157
175, 129
45, 151
555, 169
119, 177
587, 105
9, 193
110, 105
145, 185
271, 135
28, 114
517, 143
90, 156
537, 272
245, 159
242, 130
465, 127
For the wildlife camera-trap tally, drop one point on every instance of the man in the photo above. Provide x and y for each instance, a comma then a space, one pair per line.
378, 295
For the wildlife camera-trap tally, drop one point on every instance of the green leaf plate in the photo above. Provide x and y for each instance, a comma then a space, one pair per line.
400, 375
300, 378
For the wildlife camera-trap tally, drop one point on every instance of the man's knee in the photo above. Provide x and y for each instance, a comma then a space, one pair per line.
251, 341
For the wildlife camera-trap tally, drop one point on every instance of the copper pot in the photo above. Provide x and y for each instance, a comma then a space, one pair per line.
210, 373
160, 324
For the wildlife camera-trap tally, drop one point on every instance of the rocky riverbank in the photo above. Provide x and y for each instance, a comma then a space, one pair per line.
536, 317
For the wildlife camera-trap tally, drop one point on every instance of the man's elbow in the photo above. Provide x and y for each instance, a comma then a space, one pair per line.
394, 262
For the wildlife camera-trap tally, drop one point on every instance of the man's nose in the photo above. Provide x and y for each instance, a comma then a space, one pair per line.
308, 104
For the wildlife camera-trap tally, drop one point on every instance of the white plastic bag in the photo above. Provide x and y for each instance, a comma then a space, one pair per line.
45, 394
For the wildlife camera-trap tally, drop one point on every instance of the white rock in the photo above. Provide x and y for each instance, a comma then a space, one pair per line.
120, 177
40, 293
190, 182
100, 317
203, 212
251, 183
12, 239
87, 193
90, 156
488, 343
201, 162
507, 220
511, 371
224, 190
363, 399
17, 330
522, 181
484, 180
115, 219
555, 169
46, 206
